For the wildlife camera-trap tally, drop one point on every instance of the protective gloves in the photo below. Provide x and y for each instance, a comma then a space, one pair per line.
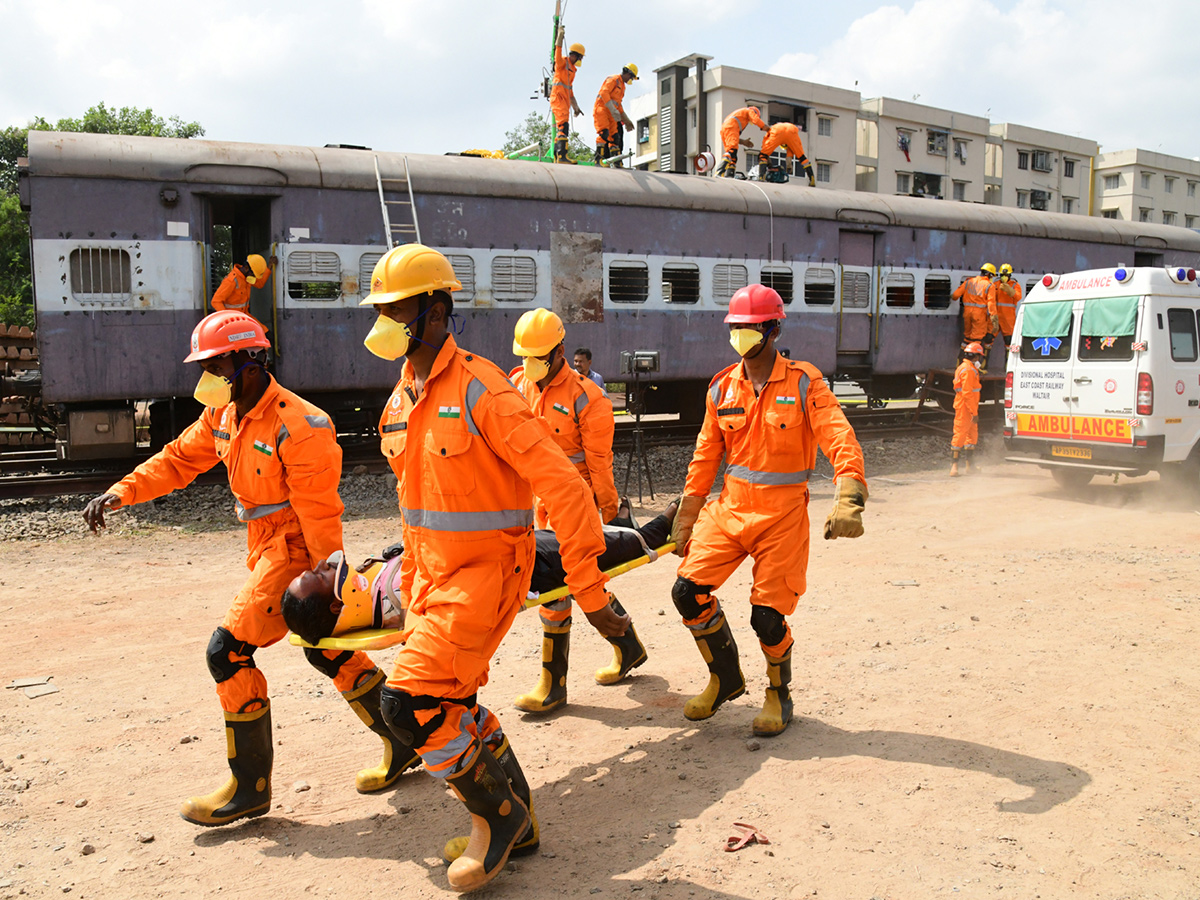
846, 518
685, 521
995, 323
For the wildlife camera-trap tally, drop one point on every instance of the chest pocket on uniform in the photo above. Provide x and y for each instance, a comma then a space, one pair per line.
731, 418
783, 423
448, 464
392, 442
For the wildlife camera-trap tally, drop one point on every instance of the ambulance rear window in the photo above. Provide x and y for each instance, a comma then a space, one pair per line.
1183, 335
1046, 331
1106, 328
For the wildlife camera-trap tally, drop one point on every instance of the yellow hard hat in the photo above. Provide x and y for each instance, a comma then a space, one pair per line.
633, 70
989, 268
258, 266
408, 270
537, 333
576, 48
1006, 269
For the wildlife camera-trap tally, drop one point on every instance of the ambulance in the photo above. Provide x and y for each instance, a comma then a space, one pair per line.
1103, 374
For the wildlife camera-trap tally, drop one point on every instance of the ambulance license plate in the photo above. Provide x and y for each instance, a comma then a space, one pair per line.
1071, 452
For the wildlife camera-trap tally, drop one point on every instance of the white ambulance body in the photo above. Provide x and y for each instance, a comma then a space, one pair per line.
1103, 374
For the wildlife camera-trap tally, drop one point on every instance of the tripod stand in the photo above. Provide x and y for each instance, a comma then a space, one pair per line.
638, 451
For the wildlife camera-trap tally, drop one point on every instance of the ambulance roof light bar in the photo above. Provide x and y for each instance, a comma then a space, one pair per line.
1122, 274
1049, 281
1181, 275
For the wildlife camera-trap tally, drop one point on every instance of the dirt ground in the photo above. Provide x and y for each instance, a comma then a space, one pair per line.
996, 696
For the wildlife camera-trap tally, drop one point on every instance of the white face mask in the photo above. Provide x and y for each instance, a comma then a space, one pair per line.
743, 340
534, 369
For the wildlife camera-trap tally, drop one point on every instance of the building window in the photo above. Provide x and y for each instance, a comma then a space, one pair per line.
1039, 200
643, 131
1068, 205
464, 271
628, 281
1022, 199
681, 283
1146, 176
1022, 159
824, 172
820, 287
927, 185
1068, 168
903, 182
728, 279
960, 190
960, 151
1189, 221
314, 275
1168, 218
937, 291
900, 289
1111, 213
991, 194
1168, 184
1191, 189
1041, 160
936, 143
1143, 214
101, 274
824, 126
514, 278
780, 279
1112, 182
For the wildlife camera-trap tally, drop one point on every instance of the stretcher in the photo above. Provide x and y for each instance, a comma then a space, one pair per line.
382, 638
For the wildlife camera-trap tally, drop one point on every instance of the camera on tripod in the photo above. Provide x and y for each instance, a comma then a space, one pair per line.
639, 362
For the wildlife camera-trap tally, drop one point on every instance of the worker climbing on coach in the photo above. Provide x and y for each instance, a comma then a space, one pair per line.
766, 416
581, 418
562, 94
786, 135
478, 456
966, 408
234, 290
608, 114
731, 137
978, 307
284, 465
1004, 296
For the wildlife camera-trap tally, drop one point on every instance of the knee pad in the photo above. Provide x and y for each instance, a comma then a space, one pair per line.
684, 594
769, 625
399, 710
330, 667
220, 645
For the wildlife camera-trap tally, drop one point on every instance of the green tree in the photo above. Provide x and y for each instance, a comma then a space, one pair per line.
16, 289
540, 129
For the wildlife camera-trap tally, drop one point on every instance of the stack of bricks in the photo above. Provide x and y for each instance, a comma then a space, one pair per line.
18, 353
18, 349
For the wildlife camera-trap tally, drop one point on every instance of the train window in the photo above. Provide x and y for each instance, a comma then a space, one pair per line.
628, 281
937, 291
314, 275
366, 268
900, 289
1029, 285
101, 274
820, 287
781, 280
514, 278
464, 271
1046, 331
681, 282
728, 279
856, 290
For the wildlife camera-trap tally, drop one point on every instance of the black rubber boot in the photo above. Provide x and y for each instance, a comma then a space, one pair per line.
397, 759
247, 793
550, 693
725, 679
777, 707
628, 652
528, 842
498, 820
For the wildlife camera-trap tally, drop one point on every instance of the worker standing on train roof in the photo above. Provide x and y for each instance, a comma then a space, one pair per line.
966, 407
284, 464
581, 418
1004, 297
787, 135
234, 290
766, 416
978, 306
562, 94
731, 137
608, 114
466, 499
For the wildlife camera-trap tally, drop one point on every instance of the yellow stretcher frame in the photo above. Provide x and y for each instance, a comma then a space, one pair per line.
382, 638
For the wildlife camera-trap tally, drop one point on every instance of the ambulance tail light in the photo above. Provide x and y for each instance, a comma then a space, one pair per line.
1008, 388
1181, 275
1145, 395
1049, 282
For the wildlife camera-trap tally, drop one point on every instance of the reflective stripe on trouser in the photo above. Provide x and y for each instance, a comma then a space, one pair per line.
966, 427
557, 613
776, 537
455, 739
754, 476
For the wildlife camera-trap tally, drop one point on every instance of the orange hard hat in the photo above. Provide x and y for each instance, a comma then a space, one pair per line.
226, 331
974, 347
755, 303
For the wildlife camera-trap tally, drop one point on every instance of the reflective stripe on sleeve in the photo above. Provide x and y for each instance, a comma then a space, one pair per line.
483, 520
580, 402
754, 476
257, 512
475, 392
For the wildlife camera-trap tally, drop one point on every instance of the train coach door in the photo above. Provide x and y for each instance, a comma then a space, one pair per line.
856, 259
237, 227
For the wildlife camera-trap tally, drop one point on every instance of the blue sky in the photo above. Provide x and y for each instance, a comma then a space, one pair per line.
447, 76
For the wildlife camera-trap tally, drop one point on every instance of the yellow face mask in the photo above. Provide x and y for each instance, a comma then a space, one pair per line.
534, 369
744, 340
388, 339
213, 390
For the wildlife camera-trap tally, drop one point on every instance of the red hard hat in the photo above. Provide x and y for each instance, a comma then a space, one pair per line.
755, 303
974, 347
225, 331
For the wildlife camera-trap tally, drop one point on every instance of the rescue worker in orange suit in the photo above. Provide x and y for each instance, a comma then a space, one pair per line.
766, 416
234, 290
978, 306
966, 408
787, 135
478, 455
562, 94
284, 464
608, 114
1004, 297
731, 137
581, 418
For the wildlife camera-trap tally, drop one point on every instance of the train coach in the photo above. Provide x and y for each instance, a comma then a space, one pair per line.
131, 236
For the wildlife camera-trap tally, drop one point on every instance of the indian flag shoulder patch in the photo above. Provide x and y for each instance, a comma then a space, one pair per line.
558, 407
264, 448
449, 412
786, 401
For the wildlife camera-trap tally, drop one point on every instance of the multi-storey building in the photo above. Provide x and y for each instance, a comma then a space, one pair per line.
1143, 186
1033, 169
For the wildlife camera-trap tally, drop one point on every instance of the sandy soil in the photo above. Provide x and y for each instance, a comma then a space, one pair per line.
996, 696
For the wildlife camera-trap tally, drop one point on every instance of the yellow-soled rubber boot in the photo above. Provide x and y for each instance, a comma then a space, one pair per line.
628, 652
550, 693
397, 759
529, 841
725, 679
498, 820
777, 707
247, 793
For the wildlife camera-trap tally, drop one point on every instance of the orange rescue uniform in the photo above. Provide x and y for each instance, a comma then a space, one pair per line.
562, 91
966, 406
978, 306
1003, 298
735, 124
284, 465
477, 455
607, 111
233, 293
787, 135
769, 443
